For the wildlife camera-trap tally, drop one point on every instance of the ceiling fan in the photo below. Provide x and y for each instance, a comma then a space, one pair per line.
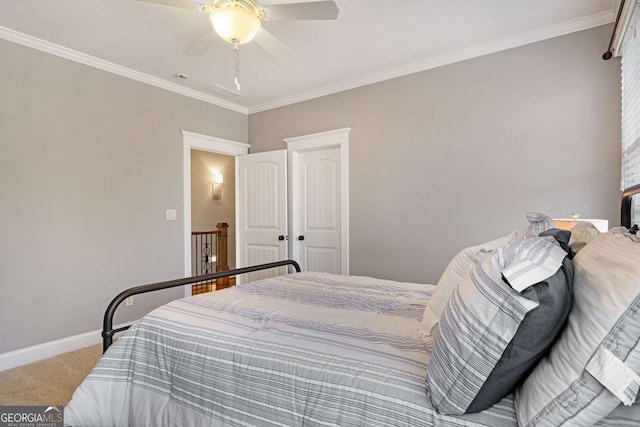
240, 21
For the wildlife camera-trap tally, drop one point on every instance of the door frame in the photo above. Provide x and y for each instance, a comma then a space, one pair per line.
196, 141
312, 142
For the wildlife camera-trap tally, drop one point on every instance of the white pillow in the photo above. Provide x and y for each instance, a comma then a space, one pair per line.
459, 266
600, 342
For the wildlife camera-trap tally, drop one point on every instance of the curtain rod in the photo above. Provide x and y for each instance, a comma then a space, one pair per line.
608, 54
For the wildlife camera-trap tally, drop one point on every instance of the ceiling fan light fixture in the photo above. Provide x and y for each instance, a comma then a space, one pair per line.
234, 22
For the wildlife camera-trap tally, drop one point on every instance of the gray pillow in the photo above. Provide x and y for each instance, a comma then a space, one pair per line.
485, 314
536, 334
581, 234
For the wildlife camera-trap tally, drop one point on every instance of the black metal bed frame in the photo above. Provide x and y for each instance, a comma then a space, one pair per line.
625, 207
107, 328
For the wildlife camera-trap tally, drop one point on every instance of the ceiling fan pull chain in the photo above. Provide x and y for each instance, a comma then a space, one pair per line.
236, 49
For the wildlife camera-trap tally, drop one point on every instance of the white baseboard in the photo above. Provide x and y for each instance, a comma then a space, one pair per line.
42, 351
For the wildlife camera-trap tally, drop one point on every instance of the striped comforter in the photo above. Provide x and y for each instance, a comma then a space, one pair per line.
308, 349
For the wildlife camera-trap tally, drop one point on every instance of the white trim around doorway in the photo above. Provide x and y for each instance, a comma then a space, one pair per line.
196, 141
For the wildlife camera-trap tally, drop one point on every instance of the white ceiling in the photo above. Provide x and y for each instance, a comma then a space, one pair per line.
372, 40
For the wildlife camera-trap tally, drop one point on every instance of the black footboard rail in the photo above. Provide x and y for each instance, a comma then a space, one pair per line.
107, 326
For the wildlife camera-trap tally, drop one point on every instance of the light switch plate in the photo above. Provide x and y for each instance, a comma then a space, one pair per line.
171, 215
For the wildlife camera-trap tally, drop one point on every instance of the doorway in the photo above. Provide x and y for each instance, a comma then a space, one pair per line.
193, 141
212, 203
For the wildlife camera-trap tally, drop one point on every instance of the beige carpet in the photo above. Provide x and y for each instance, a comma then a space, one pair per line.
49, 382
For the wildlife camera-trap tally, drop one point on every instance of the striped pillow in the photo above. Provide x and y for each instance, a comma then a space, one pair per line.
600, 344
463, 262
459, 266
622, 416
482, 318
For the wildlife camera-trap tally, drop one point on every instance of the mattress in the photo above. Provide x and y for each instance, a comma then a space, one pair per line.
310, 349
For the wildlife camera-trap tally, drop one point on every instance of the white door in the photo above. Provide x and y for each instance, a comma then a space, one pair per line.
317, 208
262, 211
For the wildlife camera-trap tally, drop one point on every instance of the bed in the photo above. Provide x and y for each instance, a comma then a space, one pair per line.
311, 349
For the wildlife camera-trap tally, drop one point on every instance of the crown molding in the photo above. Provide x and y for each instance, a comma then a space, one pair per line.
82, 58
439, 61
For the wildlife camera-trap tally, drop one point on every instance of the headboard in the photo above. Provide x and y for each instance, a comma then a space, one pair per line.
625, 208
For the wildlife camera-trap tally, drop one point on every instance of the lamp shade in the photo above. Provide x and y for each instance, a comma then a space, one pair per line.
235, 23
568, 223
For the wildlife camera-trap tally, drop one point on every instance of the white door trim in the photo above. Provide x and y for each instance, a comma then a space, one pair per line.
319, 141
196, 141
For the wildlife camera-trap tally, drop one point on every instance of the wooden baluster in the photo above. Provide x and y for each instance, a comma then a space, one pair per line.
222, 263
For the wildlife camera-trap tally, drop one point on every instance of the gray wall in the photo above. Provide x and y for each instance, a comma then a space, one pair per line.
438, 160
455, 155
206, 212
89, 162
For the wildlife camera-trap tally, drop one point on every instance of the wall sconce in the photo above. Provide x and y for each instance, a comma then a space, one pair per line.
217, 186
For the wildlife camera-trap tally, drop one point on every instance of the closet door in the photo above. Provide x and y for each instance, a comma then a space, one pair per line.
262, 211
318, 174
317, 210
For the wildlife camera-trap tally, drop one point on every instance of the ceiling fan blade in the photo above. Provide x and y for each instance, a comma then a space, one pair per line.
187, 4
274, 47
295, 11
202, 44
